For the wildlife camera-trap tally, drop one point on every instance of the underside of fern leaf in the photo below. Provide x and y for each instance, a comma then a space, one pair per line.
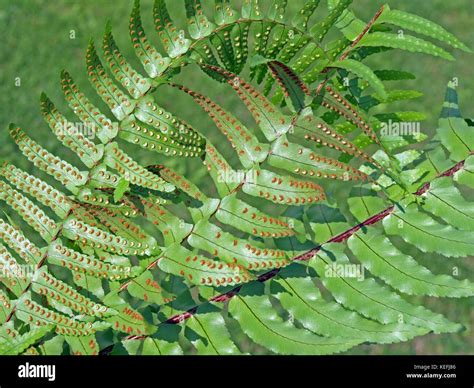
302, 236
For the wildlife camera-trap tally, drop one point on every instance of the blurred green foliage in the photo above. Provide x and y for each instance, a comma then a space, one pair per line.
42, 37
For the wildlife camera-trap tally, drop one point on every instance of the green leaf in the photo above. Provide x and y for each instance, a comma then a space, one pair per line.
93, 119
404, 42
428, 235
304, 161
455, 134
88, 265
199, 269
259, 320
31, 312
13, 276
121, 189
43, 283
249, 150
302, 17
302, 299
64, 172
232, 211
150, 113
294, 89
173, 40
69, 134
40, 190
234, 250
96, 238
224, 13
145, 287
29, 212
120, 105
153, 62
198, 24
132, 171
213, 338
371, 299
18, 242
320, 29
83, 346
401, 271
131, 80
420, 25
272, 123
281, 189
445, 201
19, 343
466, 174
363, 72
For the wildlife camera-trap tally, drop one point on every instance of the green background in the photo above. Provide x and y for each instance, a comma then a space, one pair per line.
37, 45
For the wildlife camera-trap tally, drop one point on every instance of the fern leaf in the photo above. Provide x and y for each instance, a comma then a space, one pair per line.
94, 237
153, 62
127, 320
172, 228
401, 271
29, 311
120, 105
272, 123
146, 288
406, 42
454, 132
282, 189
174, 40
69, 135
320, 29
224, 13
60, 255
46, 284
302, 299
373, 300
259, 321
131, 80
427, 234
237, 213
466, 174
17, 241
210, 333
302, 17
93, 119
17, 344
132, 171
13, 275
41, 191
83, 346
304, 161
239, 36
420, 25
200, 270
198, 24
294, 89
64, 172
150, 113
29, 212
5, 307
249, 150
152, 346
225, 178
364, 72
445, 201
233, 250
